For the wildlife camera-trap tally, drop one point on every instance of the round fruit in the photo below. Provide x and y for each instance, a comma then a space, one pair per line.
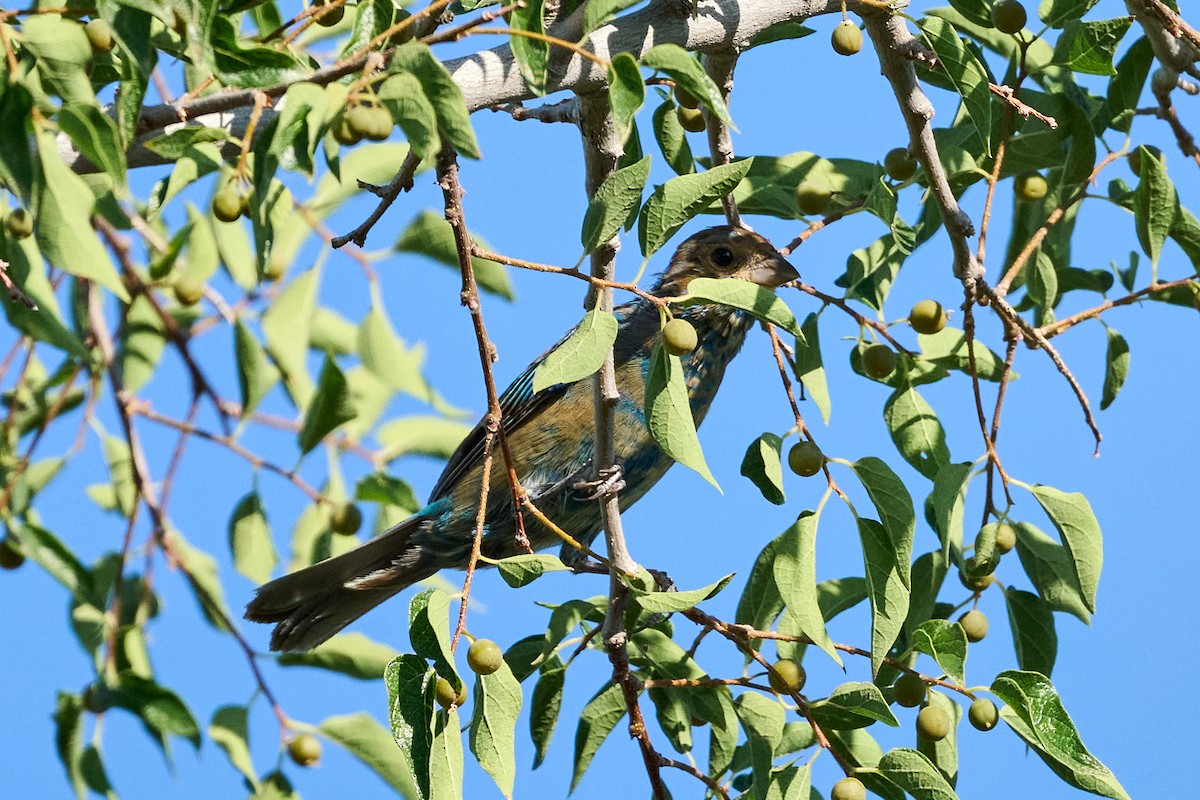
909, 690
359, 120
346, 519
1006, 538
484, 657
99, 35
188, 290
405, 34
274, 269
344, 134
899, 165
679, 337
227, 204
329, 18
806, 459
11, 556
19, 224
305, 749
812, 199
685, 98
379, 122
1135, 158
976, 583
847, 38
1009, 16
933, 724
742, 782
788, 676
1031, 186
983, 714
927, 317
95, 698
446, 696
848, 789
974, 624
878, 361
692, 119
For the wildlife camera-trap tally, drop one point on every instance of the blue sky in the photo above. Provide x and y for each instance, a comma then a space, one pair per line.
525, 197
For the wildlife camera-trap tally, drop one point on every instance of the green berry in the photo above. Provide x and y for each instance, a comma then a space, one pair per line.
446, 696
933, 724
685, 98
983, 714
812, 199
380, 124
359, 120
19, 224
878, 361
188, 290
11, 555
227, 204
1009, 16
305, 750
99, 36
344, 134
850, 788
1031, 186
847, 39
976, 583
974, 624
329, 18
1006, 538
899, 165
679, 337
1135, 158
909, 690
788, 676
346, 519
742, 782
692, 119
806, 459
274, 269
484, 657
927, 317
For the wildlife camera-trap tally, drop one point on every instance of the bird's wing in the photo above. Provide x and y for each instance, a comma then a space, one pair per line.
518, 404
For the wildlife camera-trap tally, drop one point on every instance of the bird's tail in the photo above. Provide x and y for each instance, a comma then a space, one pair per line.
312, 604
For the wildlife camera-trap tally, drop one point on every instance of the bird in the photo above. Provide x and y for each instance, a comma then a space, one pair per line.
550, 435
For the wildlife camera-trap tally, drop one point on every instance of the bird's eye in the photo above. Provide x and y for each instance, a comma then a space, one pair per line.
722, 256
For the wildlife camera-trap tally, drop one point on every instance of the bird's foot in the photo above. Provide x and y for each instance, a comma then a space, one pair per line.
610, 480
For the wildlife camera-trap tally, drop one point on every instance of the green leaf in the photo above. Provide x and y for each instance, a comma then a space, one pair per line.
493, 726
1033, 709
446, 757
544, 707
95, 135
531, 55
68, 738
895, 508
1155, 205
928, 575
795, 572
853, 705
370, 743
596, 721
230, 732
402, 95
429, 631
256, 374
160, 709
410, 683
977, 11
679, 199
1050, 570
761, 603
598, 12
758, 301
1080, 531
914, 773
948, 348
286, 324
685, 70
250, 540
672, 139
330, 407
62, 53
379, 487
671, 602
763, 467
201, 569
762, 720
1094, 44
1057, 13
517, 571
947, 499
861, 750
946, 643
1033, 633
454, 121
969, 77
350, 654
580, 354
809, 367
612, 204
1116, 367
669, 413
1125, 88
626, 92
172, 146
142, 342
916, 431
431, 236
47, 551
420, 435
63, 207
887, 586
387, 357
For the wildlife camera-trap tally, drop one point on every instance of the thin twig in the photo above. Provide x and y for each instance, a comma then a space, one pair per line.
402, 182
1053, 329
817, 225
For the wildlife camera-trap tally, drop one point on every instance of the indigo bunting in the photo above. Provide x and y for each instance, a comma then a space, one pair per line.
550, 438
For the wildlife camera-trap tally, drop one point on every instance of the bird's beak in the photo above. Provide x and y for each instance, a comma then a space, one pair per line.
772, 271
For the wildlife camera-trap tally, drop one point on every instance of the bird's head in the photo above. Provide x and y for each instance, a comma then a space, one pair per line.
725, 252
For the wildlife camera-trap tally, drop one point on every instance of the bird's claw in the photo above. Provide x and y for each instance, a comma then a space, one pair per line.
610, 481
